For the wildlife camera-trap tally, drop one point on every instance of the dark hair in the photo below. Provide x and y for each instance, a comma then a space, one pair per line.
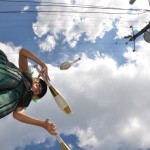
44, 88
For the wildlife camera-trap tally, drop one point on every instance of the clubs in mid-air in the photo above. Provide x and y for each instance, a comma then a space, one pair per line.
59, 99
67, 65
62, 143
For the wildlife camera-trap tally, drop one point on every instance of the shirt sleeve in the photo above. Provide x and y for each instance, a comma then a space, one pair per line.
23, 103
25, 100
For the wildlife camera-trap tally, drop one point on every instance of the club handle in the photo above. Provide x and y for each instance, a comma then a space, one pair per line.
59, 138
75, 61
59, 99
43, 77
57, 135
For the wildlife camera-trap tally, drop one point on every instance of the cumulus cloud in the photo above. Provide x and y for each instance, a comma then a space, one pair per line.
113, 100
93, 25
87, 139
48, 44
26, 8
11, 51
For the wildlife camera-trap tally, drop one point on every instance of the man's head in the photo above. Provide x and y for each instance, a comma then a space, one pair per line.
39, 88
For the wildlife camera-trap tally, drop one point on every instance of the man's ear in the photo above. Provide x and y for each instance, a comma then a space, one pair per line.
35, 97
35, 79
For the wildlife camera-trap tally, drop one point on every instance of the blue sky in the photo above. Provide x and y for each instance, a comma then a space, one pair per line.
108, 89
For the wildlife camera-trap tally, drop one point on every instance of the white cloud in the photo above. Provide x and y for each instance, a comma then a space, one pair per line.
87, 139
110, 102
11, 51
26, 8
93, 25
48, 44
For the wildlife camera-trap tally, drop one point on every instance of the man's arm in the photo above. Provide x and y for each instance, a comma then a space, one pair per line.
24, 55
19, 114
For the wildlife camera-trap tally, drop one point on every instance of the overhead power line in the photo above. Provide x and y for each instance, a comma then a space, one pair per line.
80, 12
144, 51
96, 19
35, 3
85, 9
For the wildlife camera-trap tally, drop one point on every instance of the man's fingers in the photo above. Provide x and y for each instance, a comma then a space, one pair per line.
47, 78
43, 72
51, 127
52, 130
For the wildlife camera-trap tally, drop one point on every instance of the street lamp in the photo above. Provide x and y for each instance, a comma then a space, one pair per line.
145, 30
132, 1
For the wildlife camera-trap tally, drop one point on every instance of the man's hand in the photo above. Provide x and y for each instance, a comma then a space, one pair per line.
44, 72
50, 127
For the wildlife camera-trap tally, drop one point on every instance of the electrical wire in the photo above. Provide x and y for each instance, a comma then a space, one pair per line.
64, 11
77, 6
45, 4
71, 5
29, 26
68, 5
53, 20
144, 51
